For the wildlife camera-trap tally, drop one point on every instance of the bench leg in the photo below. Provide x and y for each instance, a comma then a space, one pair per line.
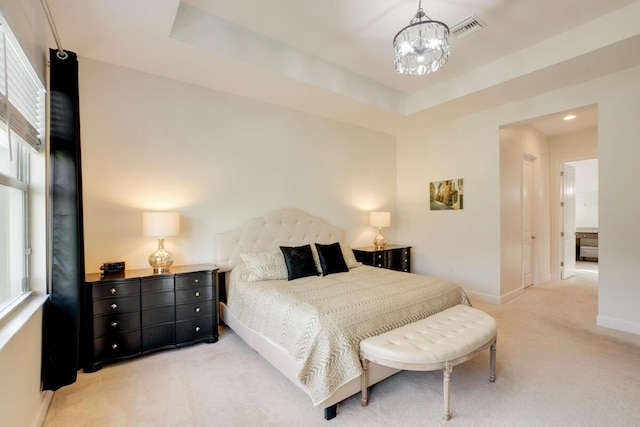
365, 385
492, 366
447, 390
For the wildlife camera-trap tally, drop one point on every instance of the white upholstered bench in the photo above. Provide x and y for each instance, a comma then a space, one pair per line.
440, 341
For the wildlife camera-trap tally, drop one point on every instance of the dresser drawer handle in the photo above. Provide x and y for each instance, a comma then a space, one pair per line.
114, 324
197, 328
197, 293
114, 306
197, 309
196, 280
114, 346
113, 291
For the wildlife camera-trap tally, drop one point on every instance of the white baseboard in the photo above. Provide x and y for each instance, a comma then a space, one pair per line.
544, 279
510, 296
489, 299
494, 299
618, 324
47, 395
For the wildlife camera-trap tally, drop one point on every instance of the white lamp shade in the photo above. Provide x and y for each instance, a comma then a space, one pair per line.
380, 219
160, 224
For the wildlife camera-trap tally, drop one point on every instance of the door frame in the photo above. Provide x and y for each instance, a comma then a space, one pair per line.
535, 178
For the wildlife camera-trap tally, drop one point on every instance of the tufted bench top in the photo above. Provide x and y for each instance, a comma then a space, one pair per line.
440, 341
428, 343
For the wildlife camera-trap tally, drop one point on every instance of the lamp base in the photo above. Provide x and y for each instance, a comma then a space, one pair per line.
160, 260
379, 242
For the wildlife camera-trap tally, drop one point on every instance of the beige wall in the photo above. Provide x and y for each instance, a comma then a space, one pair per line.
469, 147
151, 143
22, 403
461, 245
516, 142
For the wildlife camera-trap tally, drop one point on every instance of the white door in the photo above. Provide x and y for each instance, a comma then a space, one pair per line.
568, 217
527, 221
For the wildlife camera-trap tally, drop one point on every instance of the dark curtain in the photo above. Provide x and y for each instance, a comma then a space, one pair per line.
61, 330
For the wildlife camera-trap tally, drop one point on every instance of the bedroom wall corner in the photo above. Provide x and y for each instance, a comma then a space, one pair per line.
460, 245
152, 143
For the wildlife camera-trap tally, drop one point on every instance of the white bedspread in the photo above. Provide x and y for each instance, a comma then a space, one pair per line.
320, 321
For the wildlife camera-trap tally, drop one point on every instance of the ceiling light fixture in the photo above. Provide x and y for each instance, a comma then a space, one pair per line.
422, 47
569, 117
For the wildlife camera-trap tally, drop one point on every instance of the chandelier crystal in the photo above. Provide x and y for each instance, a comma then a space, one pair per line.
422, 47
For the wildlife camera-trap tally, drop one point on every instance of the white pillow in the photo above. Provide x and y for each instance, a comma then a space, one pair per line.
349, 257
265, 266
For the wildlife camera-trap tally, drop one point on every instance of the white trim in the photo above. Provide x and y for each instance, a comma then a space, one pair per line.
19, 316
47, 396
489, 299
618, 324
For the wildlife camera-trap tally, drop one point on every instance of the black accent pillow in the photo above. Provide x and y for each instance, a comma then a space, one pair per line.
331, 258
299, 260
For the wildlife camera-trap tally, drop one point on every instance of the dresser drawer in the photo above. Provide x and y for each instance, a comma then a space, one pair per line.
115, 323
194, 294
117, 345
155, 316
195, 329
116, 305
193, 310
156, 284
158, 299
194, 280
157, 337
116, 288
134, 313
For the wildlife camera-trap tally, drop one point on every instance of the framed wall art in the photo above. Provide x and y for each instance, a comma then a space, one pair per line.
446, 195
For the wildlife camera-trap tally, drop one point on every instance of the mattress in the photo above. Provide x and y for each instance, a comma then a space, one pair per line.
320, 320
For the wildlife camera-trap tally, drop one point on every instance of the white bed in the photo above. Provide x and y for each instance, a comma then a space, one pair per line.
292, 227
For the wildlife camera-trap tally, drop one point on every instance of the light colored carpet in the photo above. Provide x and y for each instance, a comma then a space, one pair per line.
554, 368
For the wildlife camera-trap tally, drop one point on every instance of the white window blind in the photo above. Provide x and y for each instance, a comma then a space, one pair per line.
21, 130
21, 92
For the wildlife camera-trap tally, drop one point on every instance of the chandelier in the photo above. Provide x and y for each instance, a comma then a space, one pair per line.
422, 47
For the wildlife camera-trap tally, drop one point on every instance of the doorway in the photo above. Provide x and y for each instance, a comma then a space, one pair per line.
584, 249
528, 220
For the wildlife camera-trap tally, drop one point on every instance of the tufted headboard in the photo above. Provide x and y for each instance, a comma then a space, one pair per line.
285, 227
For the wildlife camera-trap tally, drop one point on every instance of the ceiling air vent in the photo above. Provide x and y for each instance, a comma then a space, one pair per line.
467, 26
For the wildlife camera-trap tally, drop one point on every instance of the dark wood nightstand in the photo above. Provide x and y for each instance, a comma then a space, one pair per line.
139, 312
393, 257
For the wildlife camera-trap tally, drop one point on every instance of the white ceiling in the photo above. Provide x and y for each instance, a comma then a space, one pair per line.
334, 58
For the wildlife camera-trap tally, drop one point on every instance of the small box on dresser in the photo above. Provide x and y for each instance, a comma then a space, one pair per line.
140, 312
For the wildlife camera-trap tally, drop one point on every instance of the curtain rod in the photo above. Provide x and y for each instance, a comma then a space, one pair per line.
61, 53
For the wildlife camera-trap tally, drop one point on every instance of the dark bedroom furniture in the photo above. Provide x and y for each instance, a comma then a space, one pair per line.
586, 245
393, 257
139, 312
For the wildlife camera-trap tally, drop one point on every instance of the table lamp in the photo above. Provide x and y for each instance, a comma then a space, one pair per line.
379, 219
160, 225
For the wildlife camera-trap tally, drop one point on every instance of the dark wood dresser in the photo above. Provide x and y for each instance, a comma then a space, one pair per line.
139, 312
393, 257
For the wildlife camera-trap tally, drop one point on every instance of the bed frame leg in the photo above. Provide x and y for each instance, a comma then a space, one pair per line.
331, 412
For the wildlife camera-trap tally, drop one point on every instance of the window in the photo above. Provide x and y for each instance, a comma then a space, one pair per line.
21, 127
